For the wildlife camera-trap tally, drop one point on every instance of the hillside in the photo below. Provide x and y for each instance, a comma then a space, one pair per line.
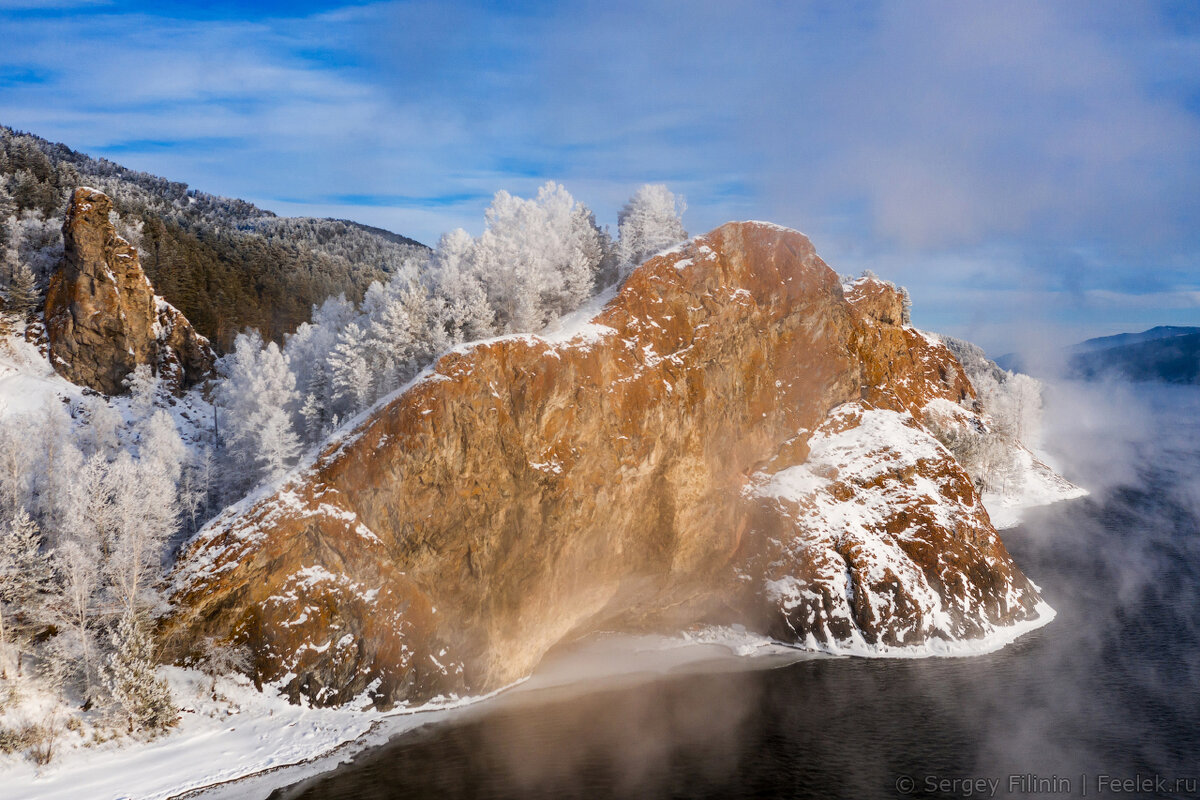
225, 263
1157, 333
1173, 358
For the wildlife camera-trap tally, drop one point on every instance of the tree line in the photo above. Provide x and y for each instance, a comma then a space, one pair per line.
226, 264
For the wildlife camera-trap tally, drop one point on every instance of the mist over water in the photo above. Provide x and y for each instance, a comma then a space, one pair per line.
1109, 690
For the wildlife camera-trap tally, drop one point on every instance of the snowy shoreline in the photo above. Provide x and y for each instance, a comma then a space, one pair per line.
607, 661
250, 744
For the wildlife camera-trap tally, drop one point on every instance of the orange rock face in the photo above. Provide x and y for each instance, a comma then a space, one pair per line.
643, 471
103, 319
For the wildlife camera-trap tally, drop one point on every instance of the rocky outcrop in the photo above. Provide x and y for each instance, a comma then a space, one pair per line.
103, 319
729, 440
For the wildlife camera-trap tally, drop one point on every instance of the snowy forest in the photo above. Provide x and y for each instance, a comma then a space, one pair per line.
226, 264
98, 494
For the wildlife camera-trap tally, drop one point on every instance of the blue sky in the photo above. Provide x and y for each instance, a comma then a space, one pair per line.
1030, 170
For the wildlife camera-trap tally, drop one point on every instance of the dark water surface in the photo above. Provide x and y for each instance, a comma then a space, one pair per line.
1109, 691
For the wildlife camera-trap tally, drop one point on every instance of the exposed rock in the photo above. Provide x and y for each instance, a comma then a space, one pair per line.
730, 439
103, 319
879, 300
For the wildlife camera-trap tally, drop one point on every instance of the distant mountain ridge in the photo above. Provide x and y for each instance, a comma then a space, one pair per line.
1173, 358
1123, 339
1164, 353
225, 263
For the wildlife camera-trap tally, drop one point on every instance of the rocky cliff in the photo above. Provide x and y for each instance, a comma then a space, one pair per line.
733, 438
103, 319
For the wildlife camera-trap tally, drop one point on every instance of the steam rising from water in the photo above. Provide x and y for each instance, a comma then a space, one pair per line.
1119, 687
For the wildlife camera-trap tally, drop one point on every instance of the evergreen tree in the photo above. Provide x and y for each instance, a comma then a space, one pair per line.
316, 418
24, 574
651, 221
349, 371
142, 697
21, 295
8, 211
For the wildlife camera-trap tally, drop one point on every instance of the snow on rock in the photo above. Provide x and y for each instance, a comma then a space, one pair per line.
27, 381
877, 544
1011, 476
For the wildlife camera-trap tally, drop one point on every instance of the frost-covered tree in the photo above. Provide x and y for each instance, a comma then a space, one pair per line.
405, 329
39, 243
1015, 406
17, 452
279, 445
143, 387
143, 699
74, 609
160, 446
195, 485
56, 468
8, 210
308, 353
537, 259
470, 315
142, 514
24, 574
315, 414
350, 374
1012, 408
651, 221
100, 432
223, 658
258, 395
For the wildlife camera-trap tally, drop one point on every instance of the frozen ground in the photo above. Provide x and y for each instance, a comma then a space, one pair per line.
247, 733
242, 732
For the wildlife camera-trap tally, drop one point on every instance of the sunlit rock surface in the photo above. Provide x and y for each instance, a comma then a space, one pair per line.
103, 319
730, 440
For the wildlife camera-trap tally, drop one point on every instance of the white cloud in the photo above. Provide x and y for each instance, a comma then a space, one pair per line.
1045, 149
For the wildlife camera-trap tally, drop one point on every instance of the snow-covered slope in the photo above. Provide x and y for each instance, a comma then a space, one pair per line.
27, 381
872, 538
